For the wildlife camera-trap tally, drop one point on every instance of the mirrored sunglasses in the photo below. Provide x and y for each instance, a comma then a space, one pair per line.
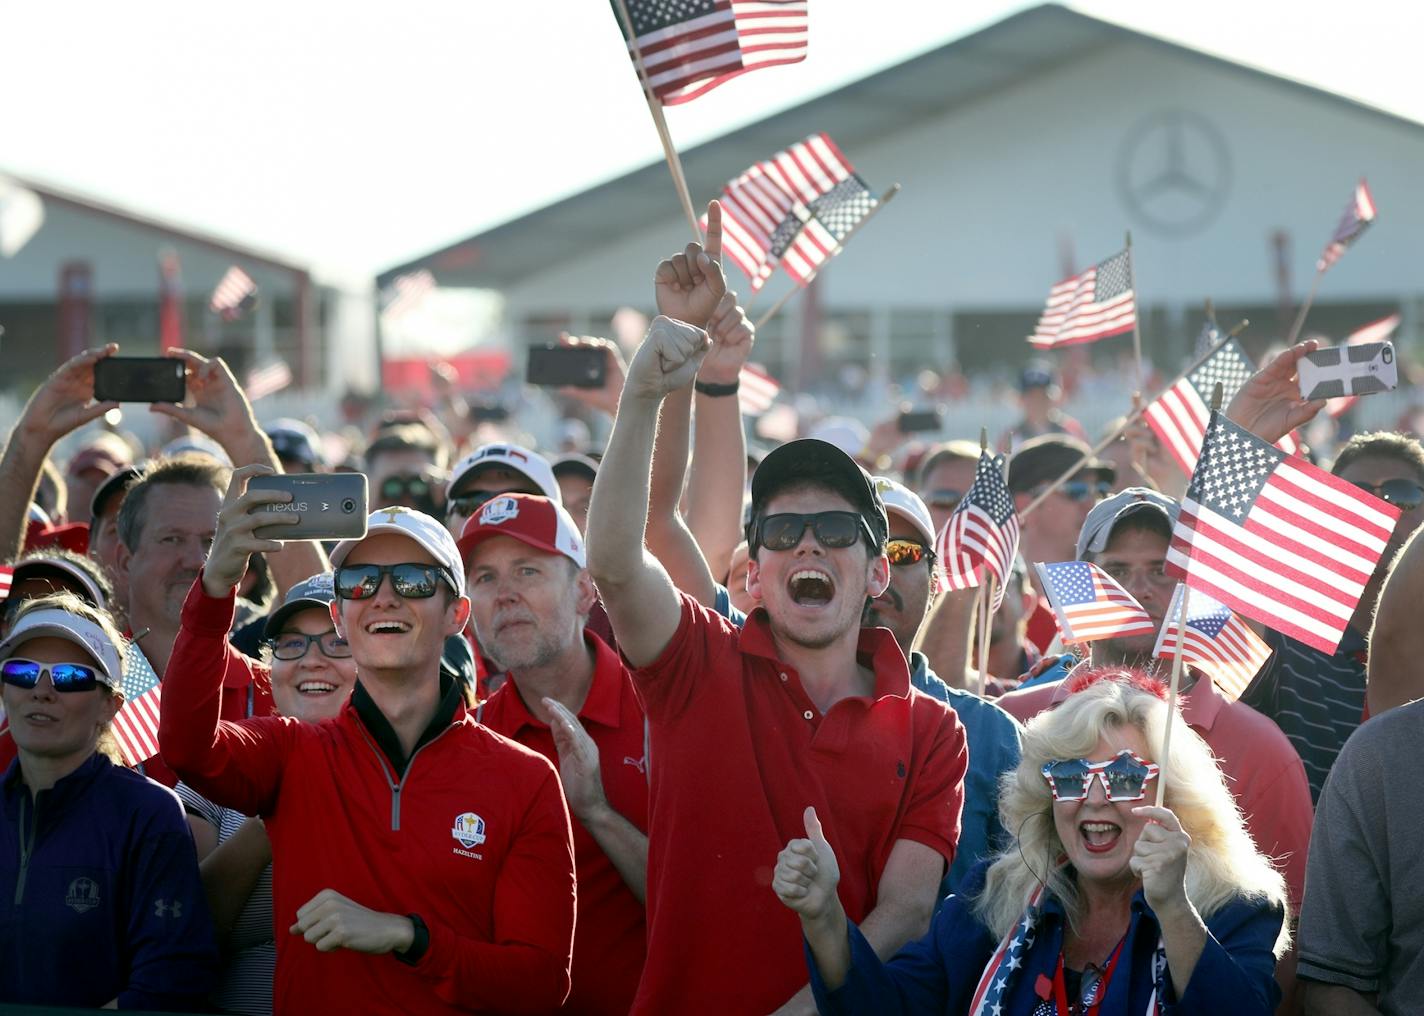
412, 580
66, 677
1404, 494
395, 487
904, 553
1124, 777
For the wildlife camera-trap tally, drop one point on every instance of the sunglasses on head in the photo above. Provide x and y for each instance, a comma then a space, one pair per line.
904, 553
411, 581
396, 487
293, 645
1124, 777
468, 504
832, 529
1404, 494
65, 677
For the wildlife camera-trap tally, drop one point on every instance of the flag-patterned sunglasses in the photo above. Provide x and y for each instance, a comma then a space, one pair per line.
1124, 777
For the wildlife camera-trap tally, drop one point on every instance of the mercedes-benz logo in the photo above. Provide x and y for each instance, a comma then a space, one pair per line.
1173, 172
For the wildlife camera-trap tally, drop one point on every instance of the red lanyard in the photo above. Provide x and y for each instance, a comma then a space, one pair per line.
1060, 984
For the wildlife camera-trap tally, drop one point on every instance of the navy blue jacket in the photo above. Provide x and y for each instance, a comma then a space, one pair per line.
938, 973
99, 894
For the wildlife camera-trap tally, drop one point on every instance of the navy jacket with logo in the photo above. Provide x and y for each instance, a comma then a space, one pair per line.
99, 894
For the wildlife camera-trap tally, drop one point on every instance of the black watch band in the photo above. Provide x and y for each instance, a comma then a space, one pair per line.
419, 942
717, 391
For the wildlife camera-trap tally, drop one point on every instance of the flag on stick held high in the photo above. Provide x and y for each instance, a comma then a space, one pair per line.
1179, 415
406, 293
170, 302
135, 726
983, 532
1275, 538
1090, 604
1093, 305
234, 293
1375, 331
765, 209
264, 381
756, 391
689, 47
1217, 642
1359, 213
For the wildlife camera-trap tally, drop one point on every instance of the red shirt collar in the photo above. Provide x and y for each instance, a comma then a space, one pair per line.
604, 704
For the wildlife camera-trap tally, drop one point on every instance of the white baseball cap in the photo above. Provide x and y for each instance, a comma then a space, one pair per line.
56, 623
513, 457
39, 564
902, 501
421, 528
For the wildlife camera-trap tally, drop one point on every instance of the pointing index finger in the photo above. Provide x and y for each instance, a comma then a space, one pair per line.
713, 247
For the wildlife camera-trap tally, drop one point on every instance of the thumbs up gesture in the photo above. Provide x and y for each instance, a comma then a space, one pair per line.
807, 874
668, 358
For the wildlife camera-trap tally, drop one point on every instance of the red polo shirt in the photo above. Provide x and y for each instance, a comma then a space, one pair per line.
1261, 766
610, 939
737, 752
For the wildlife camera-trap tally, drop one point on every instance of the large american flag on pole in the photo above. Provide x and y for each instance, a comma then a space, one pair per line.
1275, 538
1375, 331
1094, 305
983, 532
1217, 641
772, 200
1090, 604
233, 294
689, 47
1179, 415
135, 726
1359, 213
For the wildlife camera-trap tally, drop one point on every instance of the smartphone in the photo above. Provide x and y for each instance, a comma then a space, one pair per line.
328, 506
914, 421
140, 379
576, 366
1338, 371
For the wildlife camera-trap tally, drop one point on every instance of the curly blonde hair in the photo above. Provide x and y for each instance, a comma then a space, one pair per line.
1222, 862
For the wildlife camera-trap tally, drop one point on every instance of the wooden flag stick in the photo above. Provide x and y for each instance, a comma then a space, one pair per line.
1304, 310
655, 107
1136, 317
885, 199
1162, 756
1133, 417
986, 601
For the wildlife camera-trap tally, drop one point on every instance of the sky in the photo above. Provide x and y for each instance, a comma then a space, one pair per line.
355, 136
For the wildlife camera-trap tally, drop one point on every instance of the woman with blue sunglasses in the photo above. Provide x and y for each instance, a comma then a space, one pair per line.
1102, 904
100, 901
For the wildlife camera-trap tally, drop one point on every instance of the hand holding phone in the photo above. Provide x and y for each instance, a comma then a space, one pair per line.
327, 506
567, 366
140, 379
913, 421
1337, 371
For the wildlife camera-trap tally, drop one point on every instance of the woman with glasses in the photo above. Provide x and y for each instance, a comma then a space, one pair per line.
100, 903
309, 668
1102, 904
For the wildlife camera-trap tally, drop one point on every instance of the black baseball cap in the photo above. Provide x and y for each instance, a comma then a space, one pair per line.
116, 482
813, 459
316, 591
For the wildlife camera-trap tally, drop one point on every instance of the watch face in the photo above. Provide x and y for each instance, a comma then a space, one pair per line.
1173, 172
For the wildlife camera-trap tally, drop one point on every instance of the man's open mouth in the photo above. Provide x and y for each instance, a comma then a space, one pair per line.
811, 587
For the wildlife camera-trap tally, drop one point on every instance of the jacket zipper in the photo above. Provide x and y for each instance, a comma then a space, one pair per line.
26, 849
395, 787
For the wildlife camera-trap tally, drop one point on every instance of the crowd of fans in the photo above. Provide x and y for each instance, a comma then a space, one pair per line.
661, 727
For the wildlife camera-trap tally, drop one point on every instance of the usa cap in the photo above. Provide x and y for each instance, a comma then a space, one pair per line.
529, 464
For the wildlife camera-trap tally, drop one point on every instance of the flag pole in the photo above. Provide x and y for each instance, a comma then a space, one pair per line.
986, 603
1304, 309
1176, 676
885, 199
1133, 417
1136, 317
655, 107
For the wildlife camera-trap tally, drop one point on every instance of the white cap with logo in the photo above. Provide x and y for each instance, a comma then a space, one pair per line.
511, 457
421, 528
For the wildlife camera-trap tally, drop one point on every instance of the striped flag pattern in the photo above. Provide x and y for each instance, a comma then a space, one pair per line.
772, 200
756, 391
1275, 538
983, 532
1375, 331
689, 47
812, 235
1359, 213
264, 381
1090, 604
1217, 641
234, 293
1094, 305
136, 725
6, 574
406, 293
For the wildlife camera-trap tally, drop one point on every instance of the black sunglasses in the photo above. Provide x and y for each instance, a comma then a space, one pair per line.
832, 529
904, 553
293, 645
1404, 494
395, 487
468, 504
411, 581
1079, 490
66, 677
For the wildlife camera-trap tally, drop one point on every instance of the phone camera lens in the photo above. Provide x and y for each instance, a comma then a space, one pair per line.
348, 506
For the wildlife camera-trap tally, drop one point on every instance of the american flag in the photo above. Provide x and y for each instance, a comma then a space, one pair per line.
812, 235
1179, 415
1375, 331
136, 725
1090, 306
1359, 213
773, 197
1275, 538
5, 576
1007, 960
1217, 641
756, 391
264, 381
406, 293
234, 293
1089, 604
689, 47
982, 533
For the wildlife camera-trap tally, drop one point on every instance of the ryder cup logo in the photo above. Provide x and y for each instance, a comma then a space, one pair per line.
469, 830
83, 895
501, 509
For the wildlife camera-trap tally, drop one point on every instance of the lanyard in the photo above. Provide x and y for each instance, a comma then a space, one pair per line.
1060, 984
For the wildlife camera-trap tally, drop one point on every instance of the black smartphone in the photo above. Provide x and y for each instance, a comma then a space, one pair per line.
140, 379
576, 366
328, 506
914, 421
488, 414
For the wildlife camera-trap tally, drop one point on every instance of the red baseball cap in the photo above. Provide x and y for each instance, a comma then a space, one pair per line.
528, 518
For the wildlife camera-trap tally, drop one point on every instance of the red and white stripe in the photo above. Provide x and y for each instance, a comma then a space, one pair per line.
1179, 417
1072, 314
1359, 213
264, 381
1375, 331
407, 293
136, 727
761, 33
756, 391
1113, 613
6, 575
231, 292
1232, 658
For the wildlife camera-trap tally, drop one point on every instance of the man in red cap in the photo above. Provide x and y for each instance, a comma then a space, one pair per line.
570, 698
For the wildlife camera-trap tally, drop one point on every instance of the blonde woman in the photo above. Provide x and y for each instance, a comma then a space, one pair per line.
1102, 905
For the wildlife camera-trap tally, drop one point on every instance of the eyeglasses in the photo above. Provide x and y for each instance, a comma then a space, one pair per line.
904, 553
1078, 490
411, 581
1124, 575
832, 529
293, 645
946, 498
468, 504
1124, 777
393, 488
1404, 494
65, 677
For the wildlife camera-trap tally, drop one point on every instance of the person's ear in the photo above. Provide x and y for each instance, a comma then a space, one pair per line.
122, 558
458, 616
877, 576
753, 579
334, 607
113, 702
587, 594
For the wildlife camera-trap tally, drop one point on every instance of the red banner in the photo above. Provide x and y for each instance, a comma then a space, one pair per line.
76, 298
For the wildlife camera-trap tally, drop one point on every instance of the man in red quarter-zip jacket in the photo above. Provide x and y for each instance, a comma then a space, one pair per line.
421, 863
